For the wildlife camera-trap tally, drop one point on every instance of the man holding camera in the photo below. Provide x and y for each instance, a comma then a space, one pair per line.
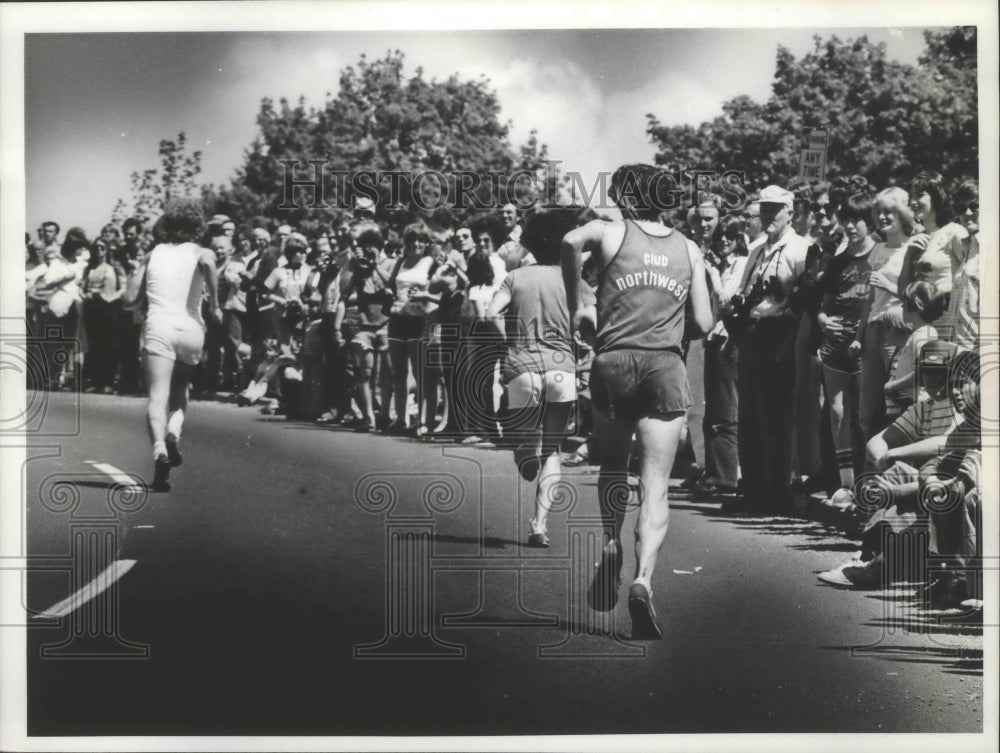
766, 378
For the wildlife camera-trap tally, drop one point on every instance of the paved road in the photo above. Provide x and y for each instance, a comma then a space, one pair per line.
309, 580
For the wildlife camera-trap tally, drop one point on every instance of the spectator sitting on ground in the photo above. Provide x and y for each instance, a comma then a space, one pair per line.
896, 454
950, 492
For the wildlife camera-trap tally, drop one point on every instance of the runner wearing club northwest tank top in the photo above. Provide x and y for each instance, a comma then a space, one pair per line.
651, 279
177, 274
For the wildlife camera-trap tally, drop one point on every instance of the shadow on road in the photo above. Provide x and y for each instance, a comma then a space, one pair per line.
953, 660
487, 542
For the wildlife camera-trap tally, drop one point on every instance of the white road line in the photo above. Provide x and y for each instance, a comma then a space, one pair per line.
97, 586
117, 475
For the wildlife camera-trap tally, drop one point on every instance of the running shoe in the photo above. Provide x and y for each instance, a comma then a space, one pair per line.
537, 537
603, 594
640, 609
173, 452
539, 540
161, 474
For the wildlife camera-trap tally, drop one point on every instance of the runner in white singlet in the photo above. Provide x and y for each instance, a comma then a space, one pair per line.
177, 274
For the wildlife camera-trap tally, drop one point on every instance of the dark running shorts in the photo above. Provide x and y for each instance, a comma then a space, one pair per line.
626, 385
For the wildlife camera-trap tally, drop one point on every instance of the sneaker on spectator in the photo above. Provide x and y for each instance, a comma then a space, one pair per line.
842, 499
946, 592
857, 574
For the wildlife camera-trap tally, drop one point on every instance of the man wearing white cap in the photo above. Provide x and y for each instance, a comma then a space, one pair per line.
766, 376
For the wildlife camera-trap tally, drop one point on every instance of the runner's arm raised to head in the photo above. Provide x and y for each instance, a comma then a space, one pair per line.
575, 242
700, 305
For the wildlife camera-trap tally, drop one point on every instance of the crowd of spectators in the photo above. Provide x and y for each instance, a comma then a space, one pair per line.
864, 381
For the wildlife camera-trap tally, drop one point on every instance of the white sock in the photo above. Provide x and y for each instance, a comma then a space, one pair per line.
644, 582
159, 448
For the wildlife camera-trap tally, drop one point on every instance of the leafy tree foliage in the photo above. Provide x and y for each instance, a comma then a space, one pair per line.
380, 120
152, 188
886, 120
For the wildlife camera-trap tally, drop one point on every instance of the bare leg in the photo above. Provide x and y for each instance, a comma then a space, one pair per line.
363, 389
841, 407
159, 373
658, 440
179, 388
553, 428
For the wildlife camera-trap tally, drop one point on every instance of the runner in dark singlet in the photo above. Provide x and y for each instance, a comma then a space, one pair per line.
650, 279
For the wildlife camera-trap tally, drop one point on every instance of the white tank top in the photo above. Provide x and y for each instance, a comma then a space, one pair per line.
174, 282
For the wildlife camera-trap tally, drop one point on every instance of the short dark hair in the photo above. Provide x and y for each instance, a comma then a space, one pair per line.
293, 246
544, 231
132, 222
492, 226
932, 184
182, 220
50, 223
860, 206
634, 191
371, 237
965, 194
75, 239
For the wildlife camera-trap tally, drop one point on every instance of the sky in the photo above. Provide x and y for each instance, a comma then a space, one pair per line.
97, 105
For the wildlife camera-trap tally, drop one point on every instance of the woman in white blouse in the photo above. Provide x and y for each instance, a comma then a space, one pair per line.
941, 257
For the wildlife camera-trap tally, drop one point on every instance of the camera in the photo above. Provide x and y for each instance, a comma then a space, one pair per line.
741, 306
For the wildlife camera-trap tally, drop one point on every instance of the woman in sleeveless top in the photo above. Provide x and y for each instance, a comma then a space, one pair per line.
884, 330
408, 313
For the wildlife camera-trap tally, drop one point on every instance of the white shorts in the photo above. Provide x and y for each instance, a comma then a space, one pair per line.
525, 390
178, 338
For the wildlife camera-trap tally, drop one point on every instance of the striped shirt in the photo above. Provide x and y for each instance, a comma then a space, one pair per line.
927, 418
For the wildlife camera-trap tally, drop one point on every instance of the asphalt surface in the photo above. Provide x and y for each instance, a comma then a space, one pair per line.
301, 579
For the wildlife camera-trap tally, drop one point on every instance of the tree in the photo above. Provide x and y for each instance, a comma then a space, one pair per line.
380, 120
886, 120
152, 188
